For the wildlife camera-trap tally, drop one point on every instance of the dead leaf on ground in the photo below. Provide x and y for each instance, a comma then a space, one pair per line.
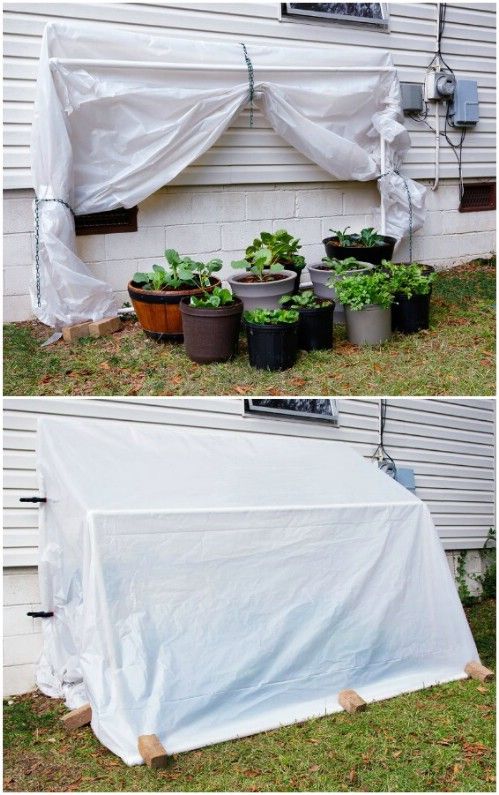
241, 390
314, 768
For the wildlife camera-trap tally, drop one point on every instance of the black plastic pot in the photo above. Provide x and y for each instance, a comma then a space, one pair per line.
289, 266
411, 314
272, 346
315, 328
374, 255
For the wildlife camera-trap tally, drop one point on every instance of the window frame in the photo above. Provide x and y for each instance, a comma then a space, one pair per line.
314, 18
288, 415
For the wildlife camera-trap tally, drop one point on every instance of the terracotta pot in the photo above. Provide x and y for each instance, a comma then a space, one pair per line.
211, 334
158, 311
262, 295
374, 254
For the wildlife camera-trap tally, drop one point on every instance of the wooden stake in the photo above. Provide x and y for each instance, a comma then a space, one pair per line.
152, 752
351, 701
475, 670
77, 717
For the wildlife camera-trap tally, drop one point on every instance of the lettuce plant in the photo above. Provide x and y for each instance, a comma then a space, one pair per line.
218, 297
305, 300
274, 316
342, 265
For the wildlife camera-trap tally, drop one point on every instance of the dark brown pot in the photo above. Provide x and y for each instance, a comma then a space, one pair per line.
211, 335
158, 311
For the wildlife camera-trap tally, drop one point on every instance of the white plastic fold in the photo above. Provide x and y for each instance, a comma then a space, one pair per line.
208, 585
120, 114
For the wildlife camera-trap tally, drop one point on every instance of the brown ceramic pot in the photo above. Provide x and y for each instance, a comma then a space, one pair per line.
211, 334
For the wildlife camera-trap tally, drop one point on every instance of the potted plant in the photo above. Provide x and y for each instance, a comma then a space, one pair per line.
315, 327
374, 247
211, 324
272, 338
156, 295
269, 270
412, 286
325, 275
367, 299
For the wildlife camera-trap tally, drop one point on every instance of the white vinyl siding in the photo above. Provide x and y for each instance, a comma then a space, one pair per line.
244, 155
449, 443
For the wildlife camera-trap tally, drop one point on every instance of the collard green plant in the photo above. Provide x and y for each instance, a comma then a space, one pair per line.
366, 238
342, 265
305, 300
272, 252
273, 316
357, 292
179, 272
409, 280
218, 297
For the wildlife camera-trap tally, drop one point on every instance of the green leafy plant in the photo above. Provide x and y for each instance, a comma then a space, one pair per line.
179, 272
487, 580
357, 292
342, 265
274, 316
272, 252
409, 280
463, 590
218, 297
366, 238
305, 300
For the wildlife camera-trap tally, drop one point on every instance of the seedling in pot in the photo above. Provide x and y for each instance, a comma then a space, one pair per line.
271, 316
219, 297
340, 266
357, 292
272, 252
366, 238
305, 300
180, 273
409, 280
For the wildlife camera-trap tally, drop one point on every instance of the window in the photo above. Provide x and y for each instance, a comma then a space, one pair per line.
371, 13
316, 410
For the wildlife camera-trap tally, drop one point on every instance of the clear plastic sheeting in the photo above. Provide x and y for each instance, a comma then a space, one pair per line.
120, 114
208, 585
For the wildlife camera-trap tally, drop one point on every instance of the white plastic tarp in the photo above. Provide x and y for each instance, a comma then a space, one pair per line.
208, 585
120, 114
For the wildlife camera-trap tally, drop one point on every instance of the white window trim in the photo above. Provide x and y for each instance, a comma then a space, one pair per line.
310, 18
280, 414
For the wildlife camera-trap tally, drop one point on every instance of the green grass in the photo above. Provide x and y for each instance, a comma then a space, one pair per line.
455, 357
440, 739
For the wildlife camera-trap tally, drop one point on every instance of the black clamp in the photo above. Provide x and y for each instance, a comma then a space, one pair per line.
39, 614
32, 499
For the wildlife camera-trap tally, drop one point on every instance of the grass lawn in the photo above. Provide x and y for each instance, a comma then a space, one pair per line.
440, 739
455, 357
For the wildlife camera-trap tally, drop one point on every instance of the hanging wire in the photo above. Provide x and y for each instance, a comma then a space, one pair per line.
37, 243
380, 452
251, 81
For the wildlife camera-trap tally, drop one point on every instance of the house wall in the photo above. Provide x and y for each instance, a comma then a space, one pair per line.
251, 179
449, 443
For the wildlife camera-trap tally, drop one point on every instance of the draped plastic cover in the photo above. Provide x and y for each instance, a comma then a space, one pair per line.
110, 134
212, 584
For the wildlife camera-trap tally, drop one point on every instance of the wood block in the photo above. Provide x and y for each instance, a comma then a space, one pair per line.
351, 701
77, 717
152, 752
72, 333
108, 325
476, 670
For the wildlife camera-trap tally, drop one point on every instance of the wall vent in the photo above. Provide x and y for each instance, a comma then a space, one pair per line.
120, 220
478, 196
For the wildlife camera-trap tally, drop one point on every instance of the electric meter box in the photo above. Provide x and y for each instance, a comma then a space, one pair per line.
463, 110
412, 97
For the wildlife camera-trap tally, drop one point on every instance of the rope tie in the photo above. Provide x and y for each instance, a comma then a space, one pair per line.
251, 81
37, 242
409, 201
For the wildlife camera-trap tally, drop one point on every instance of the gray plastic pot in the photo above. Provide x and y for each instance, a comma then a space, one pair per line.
262, 295
320, 276
369, 326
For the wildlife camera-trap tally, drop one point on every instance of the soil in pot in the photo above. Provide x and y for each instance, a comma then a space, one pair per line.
368, 326
272, 346
211, 335
262, 294
315, 328
410, 315
373, 254
158, 311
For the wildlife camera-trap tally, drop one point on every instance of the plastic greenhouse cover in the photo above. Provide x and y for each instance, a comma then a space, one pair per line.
110, 130
208, 585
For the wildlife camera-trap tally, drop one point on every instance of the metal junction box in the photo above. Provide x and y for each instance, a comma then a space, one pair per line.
463, 110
